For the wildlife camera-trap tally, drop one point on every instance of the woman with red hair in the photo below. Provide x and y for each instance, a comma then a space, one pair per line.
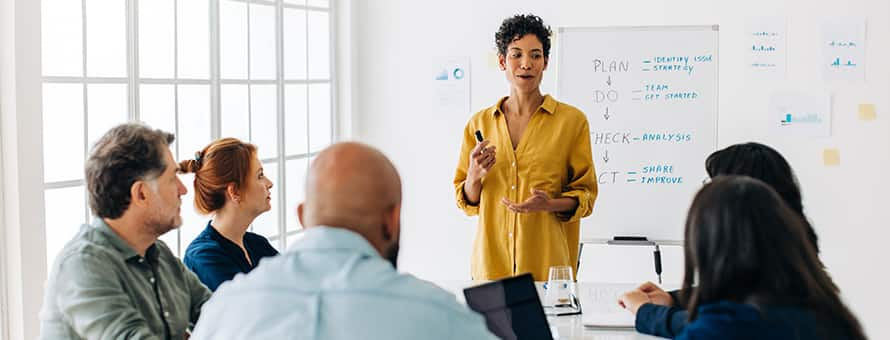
230, 187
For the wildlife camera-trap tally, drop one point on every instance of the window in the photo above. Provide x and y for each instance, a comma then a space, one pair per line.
258, 70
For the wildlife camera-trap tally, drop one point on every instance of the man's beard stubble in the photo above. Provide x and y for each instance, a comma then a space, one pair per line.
158, 225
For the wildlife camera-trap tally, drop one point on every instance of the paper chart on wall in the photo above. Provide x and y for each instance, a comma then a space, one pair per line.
843, 49
451, 82
793, 114
766, 46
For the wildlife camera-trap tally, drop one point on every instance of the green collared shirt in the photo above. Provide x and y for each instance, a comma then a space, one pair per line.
100, 288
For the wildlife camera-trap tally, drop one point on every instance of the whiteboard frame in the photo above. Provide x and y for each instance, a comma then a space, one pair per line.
559, 61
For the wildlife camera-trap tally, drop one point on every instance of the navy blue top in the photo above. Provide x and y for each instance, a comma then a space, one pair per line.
658, 320
215, 259
663, 321
731, 320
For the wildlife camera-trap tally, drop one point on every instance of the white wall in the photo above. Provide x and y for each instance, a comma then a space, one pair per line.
395, 42
3, 318
22, 140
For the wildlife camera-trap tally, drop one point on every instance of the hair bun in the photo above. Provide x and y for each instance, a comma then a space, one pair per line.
189, 166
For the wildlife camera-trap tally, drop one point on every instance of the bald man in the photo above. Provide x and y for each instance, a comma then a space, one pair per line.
339, 280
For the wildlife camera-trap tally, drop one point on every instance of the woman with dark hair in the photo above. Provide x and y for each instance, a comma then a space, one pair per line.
666, 315
230, 186
756, 273
525, 166
766, 164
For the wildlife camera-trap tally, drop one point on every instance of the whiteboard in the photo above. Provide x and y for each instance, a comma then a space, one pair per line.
650, 96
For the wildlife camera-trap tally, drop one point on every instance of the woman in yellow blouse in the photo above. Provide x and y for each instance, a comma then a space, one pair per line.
531, 179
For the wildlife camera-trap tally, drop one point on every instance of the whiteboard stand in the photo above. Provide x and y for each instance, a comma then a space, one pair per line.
649, 243
632, 243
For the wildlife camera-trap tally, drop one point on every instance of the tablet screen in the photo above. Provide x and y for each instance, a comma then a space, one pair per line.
511, 307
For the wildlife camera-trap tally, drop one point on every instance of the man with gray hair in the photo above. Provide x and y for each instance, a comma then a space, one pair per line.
115, 279
339, 281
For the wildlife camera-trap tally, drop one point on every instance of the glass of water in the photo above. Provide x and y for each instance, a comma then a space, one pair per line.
559, 298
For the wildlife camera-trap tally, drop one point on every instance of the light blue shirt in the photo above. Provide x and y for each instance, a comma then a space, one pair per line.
332, 284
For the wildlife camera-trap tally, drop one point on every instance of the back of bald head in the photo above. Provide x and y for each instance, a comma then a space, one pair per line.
351, 185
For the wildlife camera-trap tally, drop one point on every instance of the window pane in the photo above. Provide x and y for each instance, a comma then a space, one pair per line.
296, 193
106, 108
295, 131
64, 216
233, 39
276, 245
262, 42
295, 2
194, 120
319, 116
267, 223
63, 145
192, 222
106, 38
263, 124
319, 45
157, 107
193, 21
171, 238
156, 38
319, 3
294, 44
235, 115
61, 38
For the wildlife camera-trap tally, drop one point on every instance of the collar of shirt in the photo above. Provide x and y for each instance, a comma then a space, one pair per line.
123, 249
230, 248
332, 238
227, 243
548, 106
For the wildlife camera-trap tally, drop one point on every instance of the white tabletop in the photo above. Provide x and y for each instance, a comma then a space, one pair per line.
571, 327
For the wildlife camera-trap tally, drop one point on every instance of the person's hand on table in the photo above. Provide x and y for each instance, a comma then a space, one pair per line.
656, 294
632, 300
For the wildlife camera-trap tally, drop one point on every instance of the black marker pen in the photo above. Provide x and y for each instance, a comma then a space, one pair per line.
479, 136
657, 254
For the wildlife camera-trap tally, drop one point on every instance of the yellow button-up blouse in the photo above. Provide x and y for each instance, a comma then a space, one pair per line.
553, 155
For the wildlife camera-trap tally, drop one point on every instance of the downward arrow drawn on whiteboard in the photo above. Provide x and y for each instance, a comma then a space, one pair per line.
606, 116
606, 156
609, 81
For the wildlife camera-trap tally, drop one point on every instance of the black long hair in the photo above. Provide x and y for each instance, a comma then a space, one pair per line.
744, 244
766, 164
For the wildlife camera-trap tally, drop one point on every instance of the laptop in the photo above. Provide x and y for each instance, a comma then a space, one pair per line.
511, 307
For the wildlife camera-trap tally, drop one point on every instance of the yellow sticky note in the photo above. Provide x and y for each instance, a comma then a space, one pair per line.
867, 112
831, 157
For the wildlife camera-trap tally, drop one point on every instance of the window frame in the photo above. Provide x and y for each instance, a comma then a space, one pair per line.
133, 81
3, 303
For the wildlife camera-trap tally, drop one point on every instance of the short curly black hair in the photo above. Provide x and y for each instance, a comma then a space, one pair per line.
518, 26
